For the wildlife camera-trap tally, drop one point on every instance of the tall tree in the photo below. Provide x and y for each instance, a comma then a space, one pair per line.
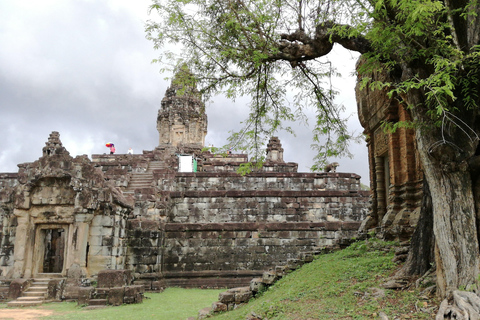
431, 50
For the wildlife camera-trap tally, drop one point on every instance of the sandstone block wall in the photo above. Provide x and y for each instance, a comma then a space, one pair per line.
273, 197
8, 222
107, 243
144, 246
226, 228
8, 180
194, 250
231, 163
268, 206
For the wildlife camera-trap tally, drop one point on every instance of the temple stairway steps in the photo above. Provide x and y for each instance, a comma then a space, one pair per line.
97, 302
143, 180
141, 191
139, 181
156, 165
35, 295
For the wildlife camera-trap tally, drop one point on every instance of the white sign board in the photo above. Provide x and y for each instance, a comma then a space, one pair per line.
185, 164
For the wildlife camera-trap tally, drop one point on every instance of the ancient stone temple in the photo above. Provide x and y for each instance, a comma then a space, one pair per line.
395, 171
51, 213
182, 118
173, 216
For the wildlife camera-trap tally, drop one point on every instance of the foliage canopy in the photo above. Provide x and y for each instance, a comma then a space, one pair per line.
267, 49
233, 47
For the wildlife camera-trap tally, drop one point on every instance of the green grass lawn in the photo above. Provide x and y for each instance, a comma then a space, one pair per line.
172, 304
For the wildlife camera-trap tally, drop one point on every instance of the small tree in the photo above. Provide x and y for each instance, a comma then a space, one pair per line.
431, 51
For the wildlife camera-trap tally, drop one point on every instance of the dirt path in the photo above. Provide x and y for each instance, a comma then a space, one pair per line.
20, 314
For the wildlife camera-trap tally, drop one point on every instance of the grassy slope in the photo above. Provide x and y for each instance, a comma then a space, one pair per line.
338, 286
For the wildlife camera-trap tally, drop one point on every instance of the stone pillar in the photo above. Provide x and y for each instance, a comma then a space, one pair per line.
23, 244
80, 235
381, 187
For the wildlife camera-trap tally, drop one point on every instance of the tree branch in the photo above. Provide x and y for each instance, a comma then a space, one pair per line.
298, 46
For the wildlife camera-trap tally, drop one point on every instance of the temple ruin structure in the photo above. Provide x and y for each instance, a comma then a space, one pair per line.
396, 177
174, 216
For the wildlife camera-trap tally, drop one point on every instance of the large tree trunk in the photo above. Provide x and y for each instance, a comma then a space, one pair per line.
454, 219
456, 241
455, 230
421, 252
444, 152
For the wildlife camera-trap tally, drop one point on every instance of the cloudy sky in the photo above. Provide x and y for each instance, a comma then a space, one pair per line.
83, 68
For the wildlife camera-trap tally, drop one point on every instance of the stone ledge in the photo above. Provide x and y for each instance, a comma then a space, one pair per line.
8, 175
256, 226
209, 283
267, 193
212, 273
267, 174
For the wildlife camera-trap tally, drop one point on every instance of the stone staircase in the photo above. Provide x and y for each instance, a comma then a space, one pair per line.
100, 302
36, 293
143, 180
140, 190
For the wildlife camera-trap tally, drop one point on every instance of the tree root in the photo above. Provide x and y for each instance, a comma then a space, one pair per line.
465, 305
429, 276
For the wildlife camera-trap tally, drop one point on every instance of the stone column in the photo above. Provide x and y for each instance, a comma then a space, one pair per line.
381, 187
79, 239
23, 247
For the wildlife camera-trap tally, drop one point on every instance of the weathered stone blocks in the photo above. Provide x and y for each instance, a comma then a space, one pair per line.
133, 294
115, 296
219, 307
84, 295
114, 278
269, 277
226, 297
257, 285
17, 286
235, 295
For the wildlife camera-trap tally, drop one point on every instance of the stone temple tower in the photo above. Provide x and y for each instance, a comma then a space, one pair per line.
274, 150
182, 119
54, 145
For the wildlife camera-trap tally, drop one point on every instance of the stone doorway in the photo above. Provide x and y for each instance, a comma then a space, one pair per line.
50, 248
54, 250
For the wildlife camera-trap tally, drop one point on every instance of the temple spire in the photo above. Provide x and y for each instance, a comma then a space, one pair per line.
181, 119
274, 150
54, 145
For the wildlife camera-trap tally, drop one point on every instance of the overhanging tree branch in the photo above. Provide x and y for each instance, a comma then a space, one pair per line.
299, 46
